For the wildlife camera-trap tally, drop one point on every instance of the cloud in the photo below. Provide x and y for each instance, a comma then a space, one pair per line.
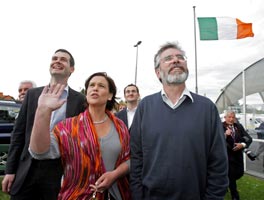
101, 35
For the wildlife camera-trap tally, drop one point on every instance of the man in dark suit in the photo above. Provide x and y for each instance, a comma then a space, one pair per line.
237, 139
27, 178
131, 94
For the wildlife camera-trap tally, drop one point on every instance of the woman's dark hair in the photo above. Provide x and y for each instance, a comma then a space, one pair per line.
112, 88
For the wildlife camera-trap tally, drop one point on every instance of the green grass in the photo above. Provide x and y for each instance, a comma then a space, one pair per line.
250, 188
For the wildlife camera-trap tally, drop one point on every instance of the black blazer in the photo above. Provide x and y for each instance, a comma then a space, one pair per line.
235, 158
19, 159
123, 116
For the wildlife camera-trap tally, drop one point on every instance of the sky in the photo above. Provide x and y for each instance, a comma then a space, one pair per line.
101, 36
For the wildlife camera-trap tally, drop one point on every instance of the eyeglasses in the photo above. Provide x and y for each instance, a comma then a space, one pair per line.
170, 58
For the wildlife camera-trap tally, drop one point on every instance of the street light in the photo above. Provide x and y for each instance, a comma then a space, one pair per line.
136, 45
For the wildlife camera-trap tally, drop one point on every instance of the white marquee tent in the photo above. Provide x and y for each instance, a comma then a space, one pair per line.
247, 82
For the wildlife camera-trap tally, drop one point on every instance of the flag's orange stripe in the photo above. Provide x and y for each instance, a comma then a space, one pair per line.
244, 29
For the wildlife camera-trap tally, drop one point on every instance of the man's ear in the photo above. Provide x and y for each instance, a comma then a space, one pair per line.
71, 70
157, 71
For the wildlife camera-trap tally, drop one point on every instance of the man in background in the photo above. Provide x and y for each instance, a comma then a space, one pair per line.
131, 94
23, 88
237, 139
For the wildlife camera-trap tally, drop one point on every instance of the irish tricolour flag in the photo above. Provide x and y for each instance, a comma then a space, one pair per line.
223, 28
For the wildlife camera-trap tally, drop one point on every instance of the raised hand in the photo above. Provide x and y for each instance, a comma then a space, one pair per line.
228, 131
50, 97
48, 101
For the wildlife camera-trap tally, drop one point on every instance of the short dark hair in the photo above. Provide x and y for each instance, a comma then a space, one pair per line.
72, 62
129, 86
112, 88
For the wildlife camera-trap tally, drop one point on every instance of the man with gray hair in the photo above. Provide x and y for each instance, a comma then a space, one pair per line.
237, 139
178, 148
23, 87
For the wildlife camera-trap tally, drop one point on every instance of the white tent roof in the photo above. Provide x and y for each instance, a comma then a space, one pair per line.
254, 83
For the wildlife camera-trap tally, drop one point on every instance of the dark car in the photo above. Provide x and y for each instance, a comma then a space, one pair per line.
8, 113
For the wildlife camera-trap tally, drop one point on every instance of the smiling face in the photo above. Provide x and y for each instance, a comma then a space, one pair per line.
22, 90
131, 94
173, 67
60, 65
97, 93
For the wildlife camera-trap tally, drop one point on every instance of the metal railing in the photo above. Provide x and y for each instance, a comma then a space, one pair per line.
256, 167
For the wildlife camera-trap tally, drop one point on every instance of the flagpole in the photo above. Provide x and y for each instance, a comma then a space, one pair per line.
195, 50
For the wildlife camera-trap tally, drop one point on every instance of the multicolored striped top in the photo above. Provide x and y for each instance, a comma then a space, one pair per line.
81, 156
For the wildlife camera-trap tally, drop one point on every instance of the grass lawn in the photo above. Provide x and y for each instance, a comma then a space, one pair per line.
250, 188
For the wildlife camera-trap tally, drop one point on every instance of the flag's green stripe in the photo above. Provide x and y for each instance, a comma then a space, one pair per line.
208, 28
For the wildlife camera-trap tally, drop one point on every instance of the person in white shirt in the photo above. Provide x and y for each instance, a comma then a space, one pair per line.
132, 96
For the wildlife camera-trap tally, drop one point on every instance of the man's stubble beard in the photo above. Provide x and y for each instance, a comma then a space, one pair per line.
174, 78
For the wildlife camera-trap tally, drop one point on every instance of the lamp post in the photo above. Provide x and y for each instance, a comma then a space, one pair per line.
136, 45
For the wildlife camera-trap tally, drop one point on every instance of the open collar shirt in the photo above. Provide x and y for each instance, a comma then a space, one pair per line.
185, 93
130, 116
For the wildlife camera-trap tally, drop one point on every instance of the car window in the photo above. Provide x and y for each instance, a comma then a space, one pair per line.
8, 111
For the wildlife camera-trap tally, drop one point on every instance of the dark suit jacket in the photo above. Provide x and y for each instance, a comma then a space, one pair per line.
19, 159
235, 158
123, 116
